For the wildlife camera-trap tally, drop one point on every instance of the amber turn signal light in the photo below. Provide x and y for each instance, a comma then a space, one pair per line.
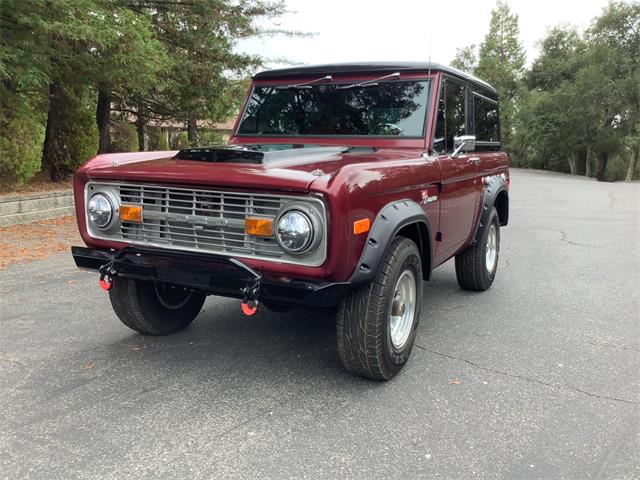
258, 227
131, 213
361, 226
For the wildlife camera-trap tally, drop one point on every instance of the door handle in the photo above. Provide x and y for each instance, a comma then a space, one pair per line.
474, 160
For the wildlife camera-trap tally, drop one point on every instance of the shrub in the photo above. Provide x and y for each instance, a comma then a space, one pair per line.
21, 138
210, 138
180, 141
124, 138
157, 139
72, 135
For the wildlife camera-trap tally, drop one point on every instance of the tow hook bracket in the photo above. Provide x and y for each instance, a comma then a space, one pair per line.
107, 274
250, 296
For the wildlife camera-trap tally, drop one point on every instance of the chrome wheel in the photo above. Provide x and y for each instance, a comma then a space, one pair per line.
172, 298
491, 255
403, 308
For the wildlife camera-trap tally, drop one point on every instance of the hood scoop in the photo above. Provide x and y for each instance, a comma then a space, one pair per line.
221, 155
253, 154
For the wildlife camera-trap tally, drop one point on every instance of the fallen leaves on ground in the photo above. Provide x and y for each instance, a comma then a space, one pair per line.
88, 366
37, 240
455, 382
40, 183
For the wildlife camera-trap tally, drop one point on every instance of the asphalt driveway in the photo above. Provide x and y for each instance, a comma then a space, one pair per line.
537, 378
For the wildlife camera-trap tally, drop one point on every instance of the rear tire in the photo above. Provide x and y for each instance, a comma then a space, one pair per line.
154, 308
477, 265
376, 323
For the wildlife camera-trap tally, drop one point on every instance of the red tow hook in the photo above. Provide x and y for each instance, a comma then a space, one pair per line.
249, 308
105, 284
107, 274
250, 298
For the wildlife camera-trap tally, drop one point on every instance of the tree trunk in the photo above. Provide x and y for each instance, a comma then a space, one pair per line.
192, 131
572, 163
103, 119
141, 122
581, 161
601, 165
56, 102
633, 163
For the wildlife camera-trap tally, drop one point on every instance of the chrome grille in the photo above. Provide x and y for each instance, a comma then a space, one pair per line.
202, 220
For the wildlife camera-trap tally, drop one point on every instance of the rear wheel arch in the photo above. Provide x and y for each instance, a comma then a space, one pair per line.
496, 195
502, 207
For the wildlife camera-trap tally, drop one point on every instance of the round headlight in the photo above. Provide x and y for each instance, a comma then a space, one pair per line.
294, 231
100, 210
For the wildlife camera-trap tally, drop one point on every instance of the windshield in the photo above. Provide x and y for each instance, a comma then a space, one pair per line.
375, 109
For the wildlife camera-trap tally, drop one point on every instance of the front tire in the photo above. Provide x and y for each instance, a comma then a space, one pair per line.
376, 323
154, 308
477, 265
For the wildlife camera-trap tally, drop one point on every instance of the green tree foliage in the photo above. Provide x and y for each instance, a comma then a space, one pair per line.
549, 135
157, 139
501, 62
71, 136
71, 47
582, 104
577, 106
124, 138
21, 136
199, 37
466, 59
170, 60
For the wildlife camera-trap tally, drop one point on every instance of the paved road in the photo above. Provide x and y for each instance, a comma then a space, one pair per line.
537, 378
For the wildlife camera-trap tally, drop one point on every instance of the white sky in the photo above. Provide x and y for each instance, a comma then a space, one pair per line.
361, 30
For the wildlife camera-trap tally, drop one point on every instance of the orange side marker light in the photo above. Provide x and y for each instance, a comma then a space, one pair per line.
361, 226
131, 213
258, 227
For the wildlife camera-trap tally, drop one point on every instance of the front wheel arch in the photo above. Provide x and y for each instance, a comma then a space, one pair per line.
404, 218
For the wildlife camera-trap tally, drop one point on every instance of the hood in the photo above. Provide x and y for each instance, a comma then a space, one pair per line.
292, 169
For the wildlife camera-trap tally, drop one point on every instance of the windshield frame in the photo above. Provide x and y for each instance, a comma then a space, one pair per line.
391, 140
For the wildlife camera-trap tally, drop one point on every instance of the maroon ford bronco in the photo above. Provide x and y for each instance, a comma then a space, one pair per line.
342, 187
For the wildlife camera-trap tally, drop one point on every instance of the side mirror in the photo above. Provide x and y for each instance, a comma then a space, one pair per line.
464, 143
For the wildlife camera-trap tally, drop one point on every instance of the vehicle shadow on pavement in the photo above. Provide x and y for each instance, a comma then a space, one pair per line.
223, 343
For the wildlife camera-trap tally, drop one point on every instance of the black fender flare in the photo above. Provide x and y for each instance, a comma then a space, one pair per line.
495, 185
390, 220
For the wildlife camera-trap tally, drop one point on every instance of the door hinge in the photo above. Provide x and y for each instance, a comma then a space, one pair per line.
440, 187
438, 236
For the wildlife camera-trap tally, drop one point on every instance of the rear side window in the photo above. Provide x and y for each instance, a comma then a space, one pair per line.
485, 119
451, 115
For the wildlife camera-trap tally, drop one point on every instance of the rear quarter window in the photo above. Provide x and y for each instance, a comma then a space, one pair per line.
486, 119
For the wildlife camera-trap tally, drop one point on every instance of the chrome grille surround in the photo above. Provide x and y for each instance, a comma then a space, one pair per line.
203, 220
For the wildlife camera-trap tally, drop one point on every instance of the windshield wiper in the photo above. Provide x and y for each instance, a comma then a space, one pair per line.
369, 83
304, 84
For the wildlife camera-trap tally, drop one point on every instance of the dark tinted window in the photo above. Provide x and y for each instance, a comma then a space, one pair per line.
485, 113
384, 108
438, 141
451, 115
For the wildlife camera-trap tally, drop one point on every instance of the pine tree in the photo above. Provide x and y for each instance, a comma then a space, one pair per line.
501, 63
466, 59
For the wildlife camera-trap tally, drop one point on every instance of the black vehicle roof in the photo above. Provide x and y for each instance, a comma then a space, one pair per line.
368, 67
